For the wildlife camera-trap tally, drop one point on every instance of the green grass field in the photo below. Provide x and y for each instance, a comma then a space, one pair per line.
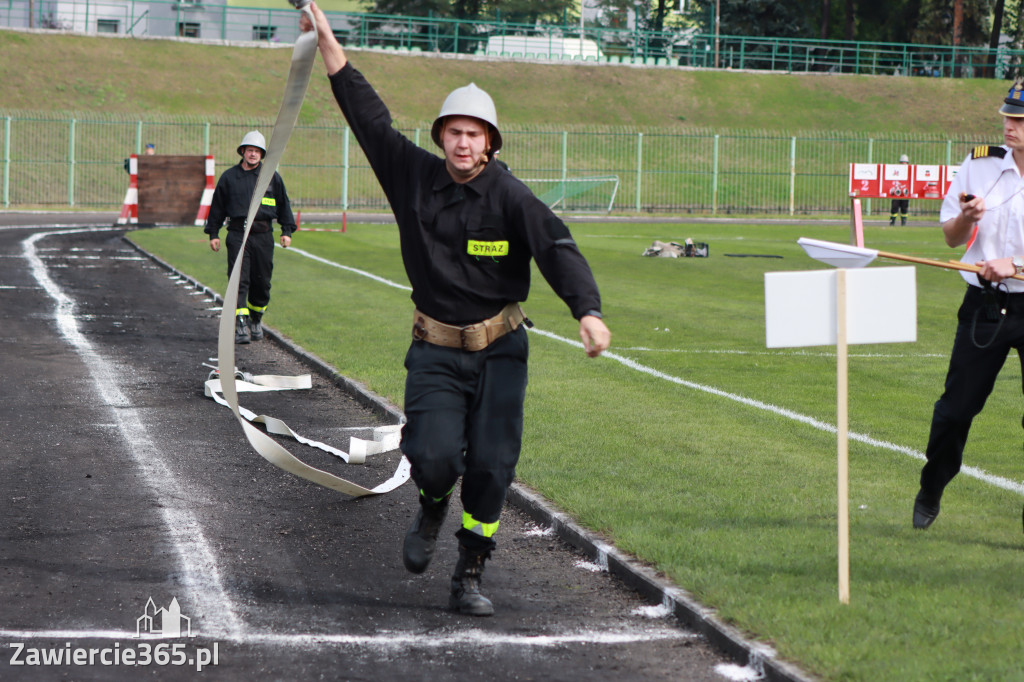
683, 446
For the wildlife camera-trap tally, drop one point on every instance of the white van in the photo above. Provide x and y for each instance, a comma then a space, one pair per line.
543, 47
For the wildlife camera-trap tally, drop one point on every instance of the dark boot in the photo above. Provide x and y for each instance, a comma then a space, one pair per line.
466, 597
903, 221
255, 328
241, 329
418, 549
926, 509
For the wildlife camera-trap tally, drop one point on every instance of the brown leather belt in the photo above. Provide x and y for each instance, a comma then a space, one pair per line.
473, 337
258, 226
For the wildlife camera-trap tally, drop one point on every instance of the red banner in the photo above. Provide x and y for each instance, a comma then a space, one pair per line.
900, 180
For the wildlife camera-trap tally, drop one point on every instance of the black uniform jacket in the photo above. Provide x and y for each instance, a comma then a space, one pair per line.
234, 192
466, 247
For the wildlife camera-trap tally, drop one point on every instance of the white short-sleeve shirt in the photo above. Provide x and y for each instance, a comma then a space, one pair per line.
1000, 232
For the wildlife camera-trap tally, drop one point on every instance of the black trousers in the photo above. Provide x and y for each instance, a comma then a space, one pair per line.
899, 208
969, 380
464, 418
257, 266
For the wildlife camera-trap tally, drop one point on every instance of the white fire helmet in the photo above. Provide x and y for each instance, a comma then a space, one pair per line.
904, 158
253, 138
468, 101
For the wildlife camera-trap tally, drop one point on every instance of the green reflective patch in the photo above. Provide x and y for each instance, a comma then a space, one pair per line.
485, 529
478, 248
269, 201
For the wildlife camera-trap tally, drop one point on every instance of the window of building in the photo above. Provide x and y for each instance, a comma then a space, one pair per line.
107, 25
264, 32
188, 29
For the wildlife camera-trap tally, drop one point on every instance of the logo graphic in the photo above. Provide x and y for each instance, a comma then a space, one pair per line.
163, 622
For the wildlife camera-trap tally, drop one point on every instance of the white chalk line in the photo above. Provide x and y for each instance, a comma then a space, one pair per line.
973, 472
808, 354
387, 640
200, 576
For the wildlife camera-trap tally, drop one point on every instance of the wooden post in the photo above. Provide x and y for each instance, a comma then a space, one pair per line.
842, 424
856, 222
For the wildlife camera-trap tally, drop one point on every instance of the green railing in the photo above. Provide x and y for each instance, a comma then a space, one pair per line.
677, 47
50, 161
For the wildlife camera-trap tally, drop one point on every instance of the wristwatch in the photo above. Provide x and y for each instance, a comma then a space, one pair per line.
1018, 264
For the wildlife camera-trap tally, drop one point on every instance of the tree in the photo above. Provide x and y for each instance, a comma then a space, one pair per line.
771, 18
961, 22
512, 11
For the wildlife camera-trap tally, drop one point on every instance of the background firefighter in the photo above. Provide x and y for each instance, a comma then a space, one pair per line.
230, 202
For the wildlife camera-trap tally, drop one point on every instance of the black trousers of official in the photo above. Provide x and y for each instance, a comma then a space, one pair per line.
257, 266
464, 417
969, 381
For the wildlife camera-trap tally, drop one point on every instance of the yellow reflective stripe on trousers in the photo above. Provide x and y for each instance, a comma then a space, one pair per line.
437, 499
474, 526
242, 311
256, 308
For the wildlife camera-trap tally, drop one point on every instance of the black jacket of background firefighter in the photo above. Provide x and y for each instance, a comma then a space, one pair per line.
231, 202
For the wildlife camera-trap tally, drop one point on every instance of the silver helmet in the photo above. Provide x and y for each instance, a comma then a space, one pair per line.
253, 138
471, 101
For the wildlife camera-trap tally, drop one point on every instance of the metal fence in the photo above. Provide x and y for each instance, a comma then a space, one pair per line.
49, 161
213, 19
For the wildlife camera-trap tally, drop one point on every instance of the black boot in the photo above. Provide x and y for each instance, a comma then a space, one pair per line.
418, 549
926, 509
241, 329
255, 328
466, 597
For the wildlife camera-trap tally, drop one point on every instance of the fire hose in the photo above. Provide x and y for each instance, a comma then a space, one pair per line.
303, 57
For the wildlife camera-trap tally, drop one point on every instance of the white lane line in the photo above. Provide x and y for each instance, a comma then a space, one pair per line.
802, 353
392, 640
357, 271
973, 472
200, 575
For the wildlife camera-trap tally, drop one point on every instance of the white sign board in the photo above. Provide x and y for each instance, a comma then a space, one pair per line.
865, 171
800, 307
897, 171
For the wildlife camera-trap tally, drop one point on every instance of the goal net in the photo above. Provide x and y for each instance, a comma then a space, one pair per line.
576, 194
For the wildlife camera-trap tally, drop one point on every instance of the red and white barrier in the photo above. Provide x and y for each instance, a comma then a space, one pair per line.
130, 207
900, 180
207, 200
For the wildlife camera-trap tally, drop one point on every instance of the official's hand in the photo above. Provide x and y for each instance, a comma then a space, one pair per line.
973, 209
215, 244
595, 335
997, 269
286, 241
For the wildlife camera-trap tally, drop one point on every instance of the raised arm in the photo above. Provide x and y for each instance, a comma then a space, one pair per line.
330, 49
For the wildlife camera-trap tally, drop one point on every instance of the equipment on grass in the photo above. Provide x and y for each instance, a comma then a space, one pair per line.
688, 249
576, 194
846, 256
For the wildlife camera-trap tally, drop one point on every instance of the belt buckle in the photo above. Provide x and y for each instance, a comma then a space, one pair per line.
419, 331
